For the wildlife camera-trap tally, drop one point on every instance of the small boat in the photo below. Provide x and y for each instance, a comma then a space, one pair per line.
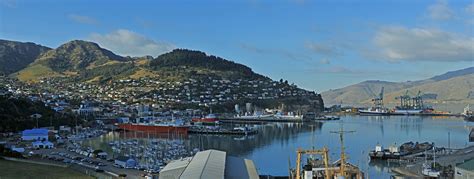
468, 114
210, 118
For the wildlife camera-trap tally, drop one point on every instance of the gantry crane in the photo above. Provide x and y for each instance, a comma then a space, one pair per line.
323, 152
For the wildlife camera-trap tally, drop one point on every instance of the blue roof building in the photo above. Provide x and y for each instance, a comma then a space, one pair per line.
35, 134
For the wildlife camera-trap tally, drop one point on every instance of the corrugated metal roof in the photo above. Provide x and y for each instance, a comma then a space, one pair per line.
467, 165
209, 164
238, 168
174, 169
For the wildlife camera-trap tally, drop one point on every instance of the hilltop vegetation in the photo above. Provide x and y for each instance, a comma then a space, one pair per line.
15, 114
15, 56
198, 63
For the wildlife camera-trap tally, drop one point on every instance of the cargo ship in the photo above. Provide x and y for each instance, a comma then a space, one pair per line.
157, 128
209, 119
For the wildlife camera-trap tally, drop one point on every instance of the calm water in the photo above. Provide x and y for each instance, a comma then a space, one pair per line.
277, 142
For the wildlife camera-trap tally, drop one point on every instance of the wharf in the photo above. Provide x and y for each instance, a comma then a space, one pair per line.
414, 167
413, 114
223, 132
259, 120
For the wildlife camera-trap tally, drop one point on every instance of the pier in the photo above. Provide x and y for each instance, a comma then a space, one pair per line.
223, 132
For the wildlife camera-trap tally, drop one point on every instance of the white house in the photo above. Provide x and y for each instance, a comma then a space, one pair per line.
43, 145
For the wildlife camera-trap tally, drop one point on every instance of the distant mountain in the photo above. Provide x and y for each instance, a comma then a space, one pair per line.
15, 56
455, 86
453, 74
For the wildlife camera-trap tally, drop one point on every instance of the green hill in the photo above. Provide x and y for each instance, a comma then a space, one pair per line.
15, 56
75, 58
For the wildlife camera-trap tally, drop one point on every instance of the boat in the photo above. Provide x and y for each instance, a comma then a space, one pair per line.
210, 119
394, 152
410, 105
158, 128
428, 168
468, 114
374, 111
406, 111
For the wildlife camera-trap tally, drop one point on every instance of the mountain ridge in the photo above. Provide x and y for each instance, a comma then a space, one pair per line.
436, 89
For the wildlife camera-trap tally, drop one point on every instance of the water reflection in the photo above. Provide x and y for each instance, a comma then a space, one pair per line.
276, 142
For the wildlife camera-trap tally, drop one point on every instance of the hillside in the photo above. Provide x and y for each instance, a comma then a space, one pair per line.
15, 56
455, 86
75, 58
196, 63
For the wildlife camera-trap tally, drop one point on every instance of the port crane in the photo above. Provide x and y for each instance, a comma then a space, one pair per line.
378, 101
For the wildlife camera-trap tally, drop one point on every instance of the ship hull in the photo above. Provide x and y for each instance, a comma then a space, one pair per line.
366, 112
406, 112
155, 129
205, 120
469, 118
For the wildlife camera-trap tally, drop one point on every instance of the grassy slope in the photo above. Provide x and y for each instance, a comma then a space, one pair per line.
32, 73
11, 169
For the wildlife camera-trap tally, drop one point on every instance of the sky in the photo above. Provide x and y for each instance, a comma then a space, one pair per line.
316, 44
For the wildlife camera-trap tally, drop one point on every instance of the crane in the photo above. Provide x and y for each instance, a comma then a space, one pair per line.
323, 152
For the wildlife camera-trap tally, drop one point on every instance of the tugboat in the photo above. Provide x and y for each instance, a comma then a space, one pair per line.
468, 114
208, 119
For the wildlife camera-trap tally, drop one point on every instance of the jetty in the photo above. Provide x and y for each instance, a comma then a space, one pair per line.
223, 132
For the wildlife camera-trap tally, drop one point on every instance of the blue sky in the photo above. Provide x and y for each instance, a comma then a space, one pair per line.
318, 45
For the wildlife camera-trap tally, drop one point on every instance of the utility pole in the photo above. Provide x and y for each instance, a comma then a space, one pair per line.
343, 155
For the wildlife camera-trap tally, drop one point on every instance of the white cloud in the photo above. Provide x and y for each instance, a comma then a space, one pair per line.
440, 11
83, 19
470, 9
397, 43
324, 49
324, 61
125, 42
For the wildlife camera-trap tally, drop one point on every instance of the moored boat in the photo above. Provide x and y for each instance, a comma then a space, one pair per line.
160, 128
210, 118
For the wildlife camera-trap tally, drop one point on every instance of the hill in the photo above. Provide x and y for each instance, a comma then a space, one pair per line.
75, 58
190, 63
454, 86
15, 56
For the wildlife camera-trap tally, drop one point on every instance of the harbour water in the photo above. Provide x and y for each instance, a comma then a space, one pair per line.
276, 143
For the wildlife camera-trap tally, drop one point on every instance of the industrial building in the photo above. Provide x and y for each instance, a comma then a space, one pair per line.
35, 134
464, 170
210, 164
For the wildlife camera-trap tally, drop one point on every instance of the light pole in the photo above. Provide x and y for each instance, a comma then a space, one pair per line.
36, 116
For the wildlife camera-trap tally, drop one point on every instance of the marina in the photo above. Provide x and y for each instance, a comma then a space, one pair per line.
283, 139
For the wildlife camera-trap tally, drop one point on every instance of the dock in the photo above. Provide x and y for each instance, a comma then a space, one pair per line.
222, 132
259, 120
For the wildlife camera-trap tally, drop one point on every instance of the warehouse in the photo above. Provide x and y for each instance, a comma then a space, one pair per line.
35, 134
210, 164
